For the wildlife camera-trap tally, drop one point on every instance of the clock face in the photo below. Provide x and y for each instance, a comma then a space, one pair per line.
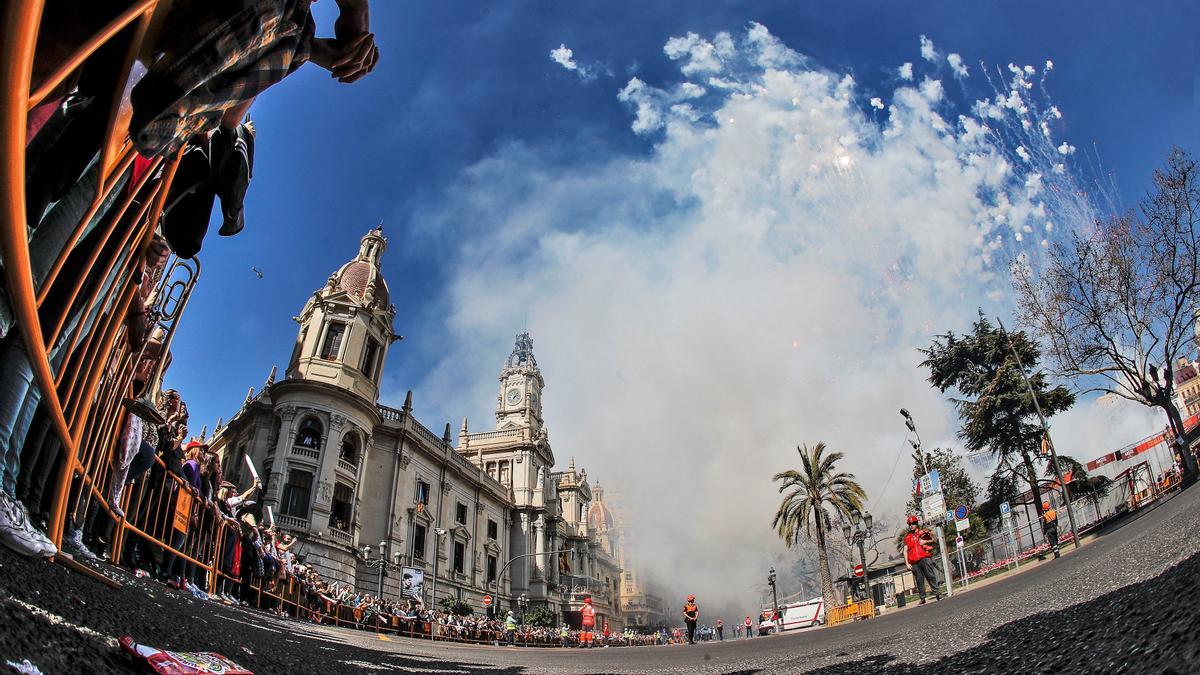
513, 396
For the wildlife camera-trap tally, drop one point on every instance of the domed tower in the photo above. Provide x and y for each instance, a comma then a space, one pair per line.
600, 521
346, 326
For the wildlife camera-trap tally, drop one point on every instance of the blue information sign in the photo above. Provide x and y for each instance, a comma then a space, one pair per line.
960, 512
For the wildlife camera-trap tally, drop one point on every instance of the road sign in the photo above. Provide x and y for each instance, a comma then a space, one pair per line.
931, 483
858, 570
960, 512
958, 541
962, 524
487, 601
934, 506
1005, 509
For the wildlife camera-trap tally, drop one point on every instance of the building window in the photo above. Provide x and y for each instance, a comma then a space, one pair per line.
491, 568
296, 493
332, 345
341, 510
349, 450
493, 529
491, 470
422, 492
418, 542
460, 557
504, 473
460, 513
368, 361
309, 435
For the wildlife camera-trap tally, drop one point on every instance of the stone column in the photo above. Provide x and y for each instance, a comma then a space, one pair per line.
539, 546
283, 446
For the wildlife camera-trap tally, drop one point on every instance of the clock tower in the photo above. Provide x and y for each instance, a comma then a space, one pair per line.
521, 383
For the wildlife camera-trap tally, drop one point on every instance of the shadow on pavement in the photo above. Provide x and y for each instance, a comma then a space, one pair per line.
1148, 627
64, 622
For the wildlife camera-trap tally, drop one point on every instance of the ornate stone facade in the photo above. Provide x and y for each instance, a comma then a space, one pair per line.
345, 473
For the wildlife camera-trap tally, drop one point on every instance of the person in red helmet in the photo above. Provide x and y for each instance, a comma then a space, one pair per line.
589, 623
918, 544
1050, 526
691, 614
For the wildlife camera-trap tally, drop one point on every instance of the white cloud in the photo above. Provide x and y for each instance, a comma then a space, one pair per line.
648, 114
957, 65
928, 52
565, 57
700, 309
905, 71
877, 103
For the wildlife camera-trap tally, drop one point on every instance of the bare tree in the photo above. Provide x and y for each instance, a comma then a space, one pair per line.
1116, 305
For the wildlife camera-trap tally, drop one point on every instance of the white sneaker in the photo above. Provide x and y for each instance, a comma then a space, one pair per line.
15, 531
73, 544
33, 530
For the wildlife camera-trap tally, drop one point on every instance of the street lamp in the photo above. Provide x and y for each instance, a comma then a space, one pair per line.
774, 598
437, 547
381, 563
912, 427
858, 535
523, 604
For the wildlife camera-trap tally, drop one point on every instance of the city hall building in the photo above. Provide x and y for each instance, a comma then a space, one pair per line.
472, 514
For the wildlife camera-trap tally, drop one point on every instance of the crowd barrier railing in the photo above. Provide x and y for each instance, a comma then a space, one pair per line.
71, 317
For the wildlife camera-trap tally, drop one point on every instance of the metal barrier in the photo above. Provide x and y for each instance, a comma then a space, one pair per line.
853, 611
71, 318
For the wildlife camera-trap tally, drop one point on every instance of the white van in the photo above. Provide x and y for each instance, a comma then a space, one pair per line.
797, 615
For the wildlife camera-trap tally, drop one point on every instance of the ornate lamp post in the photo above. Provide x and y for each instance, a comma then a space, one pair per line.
523, 604
774, 599
857, 534
381, 563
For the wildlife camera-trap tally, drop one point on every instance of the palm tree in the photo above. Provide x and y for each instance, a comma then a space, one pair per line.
810, 490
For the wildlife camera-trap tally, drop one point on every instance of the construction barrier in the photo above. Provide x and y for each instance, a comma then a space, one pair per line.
850, 612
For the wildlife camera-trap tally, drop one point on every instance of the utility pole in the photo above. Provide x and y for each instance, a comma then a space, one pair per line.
1046, 434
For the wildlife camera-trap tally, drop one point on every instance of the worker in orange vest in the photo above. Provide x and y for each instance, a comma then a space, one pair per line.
691, 614
589, 623
1050, 526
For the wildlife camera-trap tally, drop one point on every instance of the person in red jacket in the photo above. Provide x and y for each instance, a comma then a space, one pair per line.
749, 628
918, 544
589, 623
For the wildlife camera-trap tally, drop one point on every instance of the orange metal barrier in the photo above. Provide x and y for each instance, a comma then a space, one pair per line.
81, 362
850, 612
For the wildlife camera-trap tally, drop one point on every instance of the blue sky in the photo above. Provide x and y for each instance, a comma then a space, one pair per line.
692, 289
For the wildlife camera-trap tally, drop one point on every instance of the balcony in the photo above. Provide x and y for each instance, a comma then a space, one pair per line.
349, 468
291, 522
305, 451
340, 536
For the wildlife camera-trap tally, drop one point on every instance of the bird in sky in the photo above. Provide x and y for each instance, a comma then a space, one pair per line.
257, 271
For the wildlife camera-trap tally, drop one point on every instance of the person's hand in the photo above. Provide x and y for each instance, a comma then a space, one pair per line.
348, 60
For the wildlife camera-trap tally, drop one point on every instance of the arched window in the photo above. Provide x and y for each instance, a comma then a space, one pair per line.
349, 449
309, 435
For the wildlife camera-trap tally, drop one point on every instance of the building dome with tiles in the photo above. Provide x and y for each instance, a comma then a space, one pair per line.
361, 278
599, 518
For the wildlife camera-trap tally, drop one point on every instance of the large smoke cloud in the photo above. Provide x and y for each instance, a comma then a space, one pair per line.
761, 279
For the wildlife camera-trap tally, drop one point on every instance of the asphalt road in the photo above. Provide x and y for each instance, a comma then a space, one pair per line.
1129, 600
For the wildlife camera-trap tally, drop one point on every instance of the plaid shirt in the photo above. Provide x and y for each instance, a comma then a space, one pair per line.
220, 53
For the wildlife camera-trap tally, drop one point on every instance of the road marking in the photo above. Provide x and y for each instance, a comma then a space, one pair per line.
384, 638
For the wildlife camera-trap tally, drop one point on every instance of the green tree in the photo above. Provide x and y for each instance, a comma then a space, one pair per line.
994, 404
956, 482
541, 617
810, 491
1082, 485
